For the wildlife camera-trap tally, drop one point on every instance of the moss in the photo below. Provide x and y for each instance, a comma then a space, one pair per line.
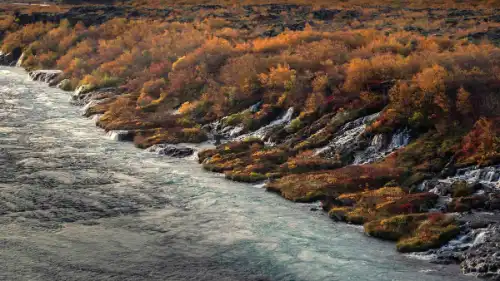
245, 177
334, 182
415, 233
422, 244
366, 206
339, 213
147, 138
301, 165
394, 228
461, 189
467, 203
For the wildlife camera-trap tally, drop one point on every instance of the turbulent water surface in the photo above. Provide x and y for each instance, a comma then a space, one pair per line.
76, 205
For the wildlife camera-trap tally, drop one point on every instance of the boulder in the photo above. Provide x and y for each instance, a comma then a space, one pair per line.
172, 150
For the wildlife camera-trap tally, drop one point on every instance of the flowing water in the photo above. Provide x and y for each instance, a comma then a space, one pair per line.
76, 205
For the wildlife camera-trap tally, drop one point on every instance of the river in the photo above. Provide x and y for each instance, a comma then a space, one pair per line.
76, 205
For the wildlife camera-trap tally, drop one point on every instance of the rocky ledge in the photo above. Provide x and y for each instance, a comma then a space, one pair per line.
10, 59
51, 77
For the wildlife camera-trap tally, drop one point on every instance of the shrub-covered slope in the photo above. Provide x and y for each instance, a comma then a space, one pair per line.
328, 104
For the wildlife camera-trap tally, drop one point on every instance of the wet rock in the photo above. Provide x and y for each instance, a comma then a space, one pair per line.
46, 76
172, 150
88, 97
483, 258
453, 251
121, 135
10, 59
493, 201
487, 176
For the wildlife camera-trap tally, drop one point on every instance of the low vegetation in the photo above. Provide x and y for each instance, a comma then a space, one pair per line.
433, 72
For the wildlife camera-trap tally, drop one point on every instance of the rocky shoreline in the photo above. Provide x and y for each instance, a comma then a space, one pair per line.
476, 248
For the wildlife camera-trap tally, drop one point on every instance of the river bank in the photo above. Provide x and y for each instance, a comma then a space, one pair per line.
389, 123
78, 205
473, 248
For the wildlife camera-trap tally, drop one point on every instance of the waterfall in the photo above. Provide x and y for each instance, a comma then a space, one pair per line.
380, 147
488, 175
285, 119
120, 135
96, 118
346, 137
88, 105
20, 60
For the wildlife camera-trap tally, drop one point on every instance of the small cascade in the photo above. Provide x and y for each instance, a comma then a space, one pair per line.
218, 131
480, 237
489, 176
345, 139
87, 106
234, 131
120, 135
399, 139
96, 118
285, 119
381, 146
46, 76
20, 60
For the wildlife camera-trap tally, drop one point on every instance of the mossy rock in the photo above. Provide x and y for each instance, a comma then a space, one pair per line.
251, 177
394, 228
461, 189
420, 243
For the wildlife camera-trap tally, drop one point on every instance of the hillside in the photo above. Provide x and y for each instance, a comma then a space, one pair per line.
352, 106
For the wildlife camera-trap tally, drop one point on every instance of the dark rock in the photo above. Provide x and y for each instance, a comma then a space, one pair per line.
172, 150
494, 201
11, 58
325, 14
330, 202
461, 13
493, 34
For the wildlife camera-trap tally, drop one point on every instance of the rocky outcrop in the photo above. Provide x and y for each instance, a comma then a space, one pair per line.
172, 150
88, 97
10, 59
483, 257
51, 77
121, 135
